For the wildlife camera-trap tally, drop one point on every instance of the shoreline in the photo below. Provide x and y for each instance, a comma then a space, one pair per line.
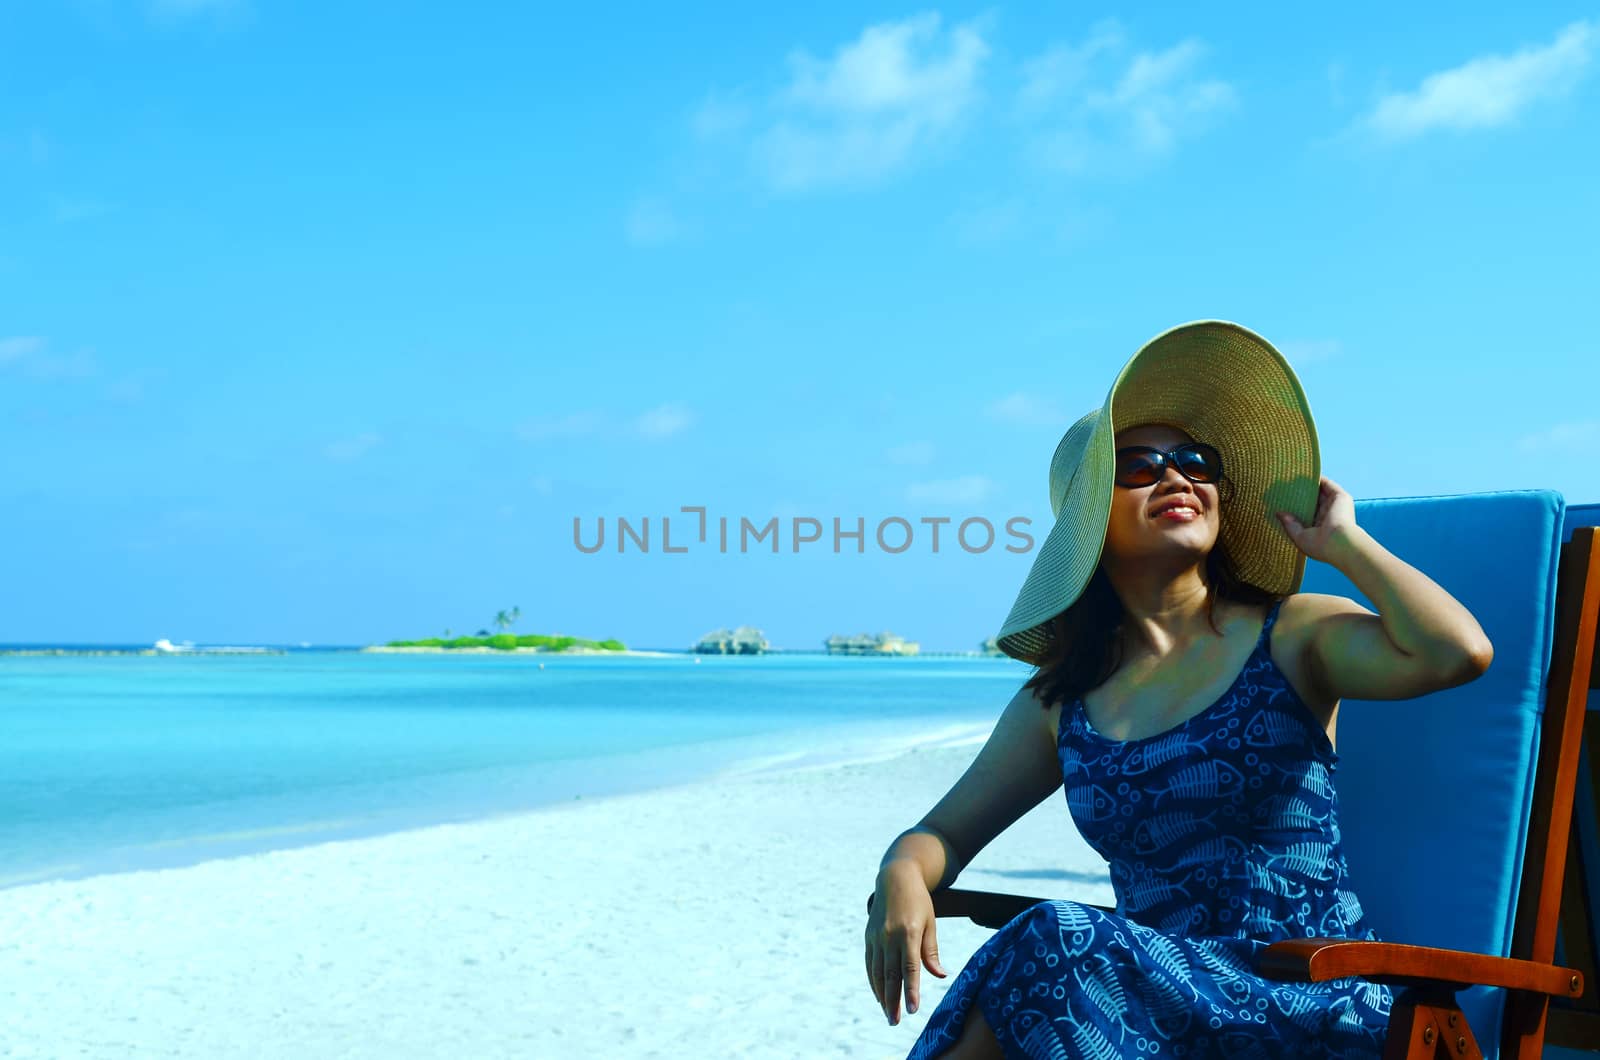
721, 917
645, 773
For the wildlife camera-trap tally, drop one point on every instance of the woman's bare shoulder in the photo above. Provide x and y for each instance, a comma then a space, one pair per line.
1300, 611
1300, 615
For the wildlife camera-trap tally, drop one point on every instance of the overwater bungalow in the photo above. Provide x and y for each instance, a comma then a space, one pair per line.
884, 643
746, 640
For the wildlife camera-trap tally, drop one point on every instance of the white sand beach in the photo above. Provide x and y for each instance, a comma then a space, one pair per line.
722, 919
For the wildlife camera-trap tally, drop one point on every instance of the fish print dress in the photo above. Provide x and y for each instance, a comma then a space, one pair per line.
1222, 835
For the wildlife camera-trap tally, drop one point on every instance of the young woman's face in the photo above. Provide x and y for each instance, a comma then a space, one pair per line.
1136, 530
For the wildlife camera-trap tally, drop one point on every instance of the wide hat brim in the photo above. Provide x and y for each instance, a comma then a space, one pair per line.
1222, 384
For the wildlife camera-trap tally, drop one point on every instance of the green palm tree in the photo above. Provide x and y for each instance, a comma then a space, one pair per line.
504, 620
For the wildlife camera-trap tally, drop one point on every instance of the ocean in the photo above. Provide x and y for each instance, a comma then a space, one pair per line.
117, 764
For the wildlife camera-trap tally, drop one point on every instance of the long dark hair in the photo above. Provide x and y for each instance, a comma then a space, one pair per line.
1084, 649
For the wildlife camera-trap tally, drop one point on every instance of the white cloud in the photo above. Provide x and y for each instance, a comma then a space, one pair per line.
904, 92
968, 489
1585, 434
881, 71
1025, 408
19, 346
569, 426
1302, 352
896, 92
1488, 91
652, 223
347, 449
1066, 68
1100, 108
911, 453
664, 421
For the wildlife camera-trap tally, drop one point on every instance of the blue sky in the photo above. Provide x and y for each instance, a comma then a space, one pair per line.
324, 324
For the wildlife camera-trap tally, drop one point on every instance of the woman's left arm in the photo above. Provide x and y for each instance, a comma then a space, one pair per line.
1421, 640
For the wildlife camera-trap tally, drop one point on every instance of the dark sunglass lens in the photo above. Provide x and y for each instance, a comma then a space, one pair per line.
1200, 462
1137, 469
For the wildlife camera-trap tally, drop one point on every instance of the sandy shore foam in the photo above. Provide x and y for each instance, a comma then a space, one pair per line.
723, 918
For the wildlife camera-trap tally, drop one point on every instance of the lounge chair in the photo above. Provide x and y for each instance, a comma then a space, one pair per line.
1455, 807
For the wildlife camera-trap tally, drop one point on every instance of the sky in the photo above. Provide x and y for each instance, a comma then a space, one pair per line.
330, 323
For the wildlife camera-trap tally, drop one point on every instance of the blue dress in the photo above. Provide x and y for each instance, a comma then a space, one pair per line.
1222, 835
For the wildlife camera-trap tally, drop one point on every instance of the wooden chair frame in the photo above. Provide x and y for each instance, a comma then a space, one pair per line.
1425, 1021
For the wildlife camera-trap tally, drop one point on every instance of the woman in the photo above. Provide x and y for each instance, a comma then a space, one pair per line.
1186, 698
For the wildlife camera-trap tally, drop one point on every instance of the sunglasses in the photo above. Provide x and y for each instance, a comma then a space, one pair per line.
1140, 465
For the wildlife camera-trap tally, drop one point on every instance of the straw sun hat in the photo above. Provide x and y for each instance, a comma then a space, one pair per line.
1221, 384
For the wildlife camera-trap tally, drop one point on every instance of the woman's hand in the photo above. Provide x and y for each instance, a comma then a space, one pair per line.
1333, 522
900, 936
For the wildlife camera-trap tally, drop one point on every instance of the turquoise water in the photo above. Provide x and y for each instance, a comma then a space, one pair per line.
122, 763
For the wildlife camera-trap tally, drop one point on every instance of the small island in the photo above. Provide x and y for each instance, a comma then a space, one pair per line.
506, 641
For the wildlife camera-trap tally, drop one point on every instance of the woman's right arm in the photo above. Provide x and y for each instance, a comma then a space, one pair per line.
1015, 771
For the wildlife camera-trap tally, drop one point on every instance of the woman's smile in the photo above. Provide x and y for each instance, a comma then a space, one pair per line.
1183, 500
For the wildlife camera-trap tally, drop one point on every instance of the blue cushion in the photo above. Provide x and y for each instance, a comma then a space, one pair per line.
1434, 793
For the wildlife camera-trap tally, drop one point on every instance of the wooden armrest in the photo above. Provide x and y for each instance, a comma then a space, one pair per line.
984, 908
1317, 960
